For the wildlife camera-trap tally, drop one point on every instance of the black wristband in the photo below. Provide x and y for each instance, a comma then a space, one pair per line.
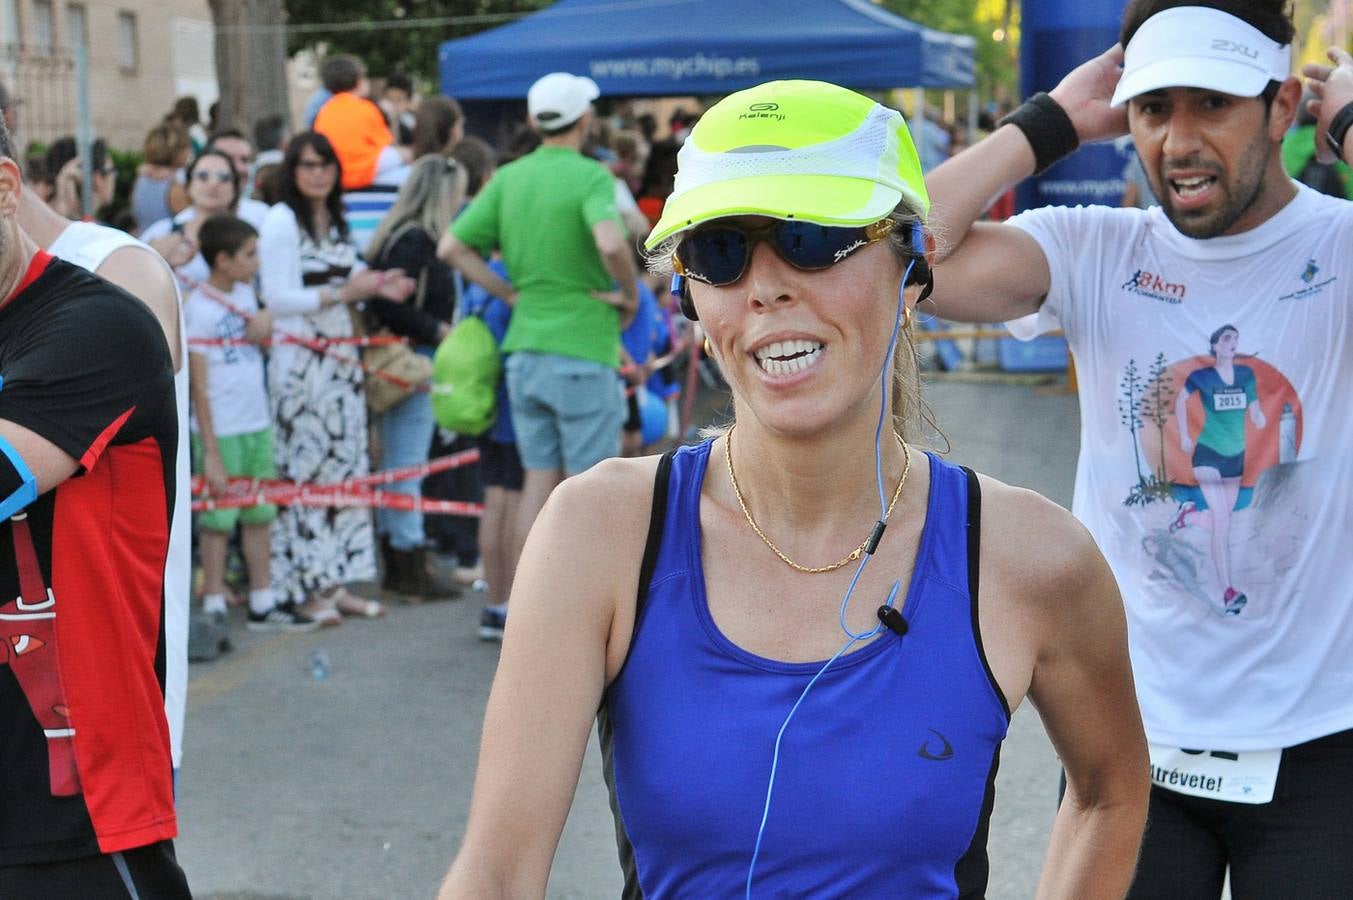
1047, 128
1338, 129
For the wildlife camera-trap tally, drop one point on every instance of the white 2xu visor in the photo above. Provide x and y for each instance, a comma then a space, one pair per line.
1198, 47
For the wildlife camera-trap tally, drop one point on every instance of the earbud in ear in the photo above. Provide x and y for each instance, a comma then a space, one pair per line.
920, 270
681, 290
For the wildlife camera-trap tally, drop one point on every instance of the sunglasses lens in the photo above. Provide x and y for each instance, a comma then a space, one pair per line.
714, 255
807, 245
719, 255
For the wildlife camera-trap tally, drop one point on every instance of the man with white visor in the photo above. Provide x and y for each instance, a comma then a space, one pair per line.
1213, 339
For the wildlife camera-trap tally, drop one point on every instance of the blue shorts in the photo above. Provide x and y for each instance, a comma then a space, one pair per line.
1229, 466
567, 412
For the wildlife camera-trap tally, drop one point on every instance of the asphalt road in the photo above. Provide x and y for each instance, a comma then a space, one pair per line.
357, 786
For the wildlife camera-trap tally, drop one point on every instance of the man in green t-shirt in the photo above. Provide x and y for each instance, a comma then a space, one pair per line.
553, 217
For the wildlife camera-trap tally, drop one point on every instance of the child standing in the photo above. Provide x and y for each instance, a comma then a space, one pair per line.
234, 427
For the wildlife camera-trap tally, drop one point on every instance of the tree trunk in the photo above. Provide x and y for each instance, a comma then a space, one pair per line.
251, 62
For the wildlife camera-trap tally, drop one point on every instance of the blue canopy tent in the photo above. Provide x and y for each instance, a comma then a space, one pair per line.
648, 48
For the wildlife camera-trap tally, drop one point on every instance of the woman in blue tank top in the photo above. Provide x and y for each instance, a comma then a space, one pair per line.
800, 693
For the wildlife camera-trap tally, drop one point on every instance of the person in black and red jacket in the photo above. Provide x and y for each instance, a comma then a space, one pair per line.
88, 438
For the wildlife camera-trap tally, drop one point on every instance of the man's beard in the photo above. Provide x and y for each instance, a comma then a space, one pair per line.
1239, 194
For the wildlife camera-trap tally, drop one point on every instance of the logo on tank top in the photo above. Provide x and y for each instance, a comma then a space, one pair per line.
1156, 286
945, 751
1313, 287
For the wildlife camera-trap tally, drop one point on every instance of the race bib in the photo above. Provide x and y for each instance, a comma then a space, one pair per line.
1228, 401
1216, 774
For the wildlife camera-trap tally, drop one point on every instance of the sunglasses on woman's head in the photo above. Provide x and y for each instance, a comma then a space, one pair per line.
719, 254
218, 177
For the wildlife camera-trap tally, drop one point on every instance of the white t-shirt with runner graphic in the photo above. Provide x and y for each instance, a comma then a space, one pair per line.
236, 386
1233, 542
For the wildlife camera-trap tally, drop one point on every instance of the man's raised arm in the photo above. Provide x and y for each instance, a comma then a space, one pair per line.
991, 272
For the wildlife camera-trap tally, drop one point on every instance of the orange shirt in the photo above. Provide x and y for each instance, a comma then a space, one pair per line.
357, 130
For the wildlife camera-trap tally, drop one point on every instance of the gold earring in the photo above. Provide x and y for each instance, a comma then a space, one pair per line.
906, 317
709, 351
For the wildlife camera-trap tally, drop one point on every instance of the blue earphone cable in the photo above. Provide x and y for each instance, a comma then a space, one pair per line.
845, 600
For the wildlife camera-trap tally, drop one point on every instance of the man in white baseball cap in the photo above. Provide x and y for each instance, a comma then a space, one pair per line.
1211, 337
559, 99
552, 214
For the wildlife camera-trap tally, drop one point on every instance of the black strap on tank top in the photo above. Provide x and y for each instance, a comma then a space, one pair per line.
974, 532
656, 520
974, 565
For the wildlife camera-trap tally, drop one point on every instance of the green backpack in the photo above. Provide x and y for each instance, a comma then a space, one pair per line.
465, 373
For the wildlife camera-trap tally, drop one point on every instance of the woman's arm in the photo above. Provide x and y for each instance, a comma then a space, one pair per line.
279, 257
1083, 690
1181, 418
572, 612
1054, 630
412, 253
1257, 415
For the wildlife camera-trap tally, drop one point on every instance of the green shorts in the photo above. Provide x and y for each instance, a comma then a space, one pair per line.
245, 456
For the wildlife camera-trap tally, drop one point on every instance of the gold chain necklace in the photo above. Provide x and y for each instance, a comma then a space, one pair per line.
811, 570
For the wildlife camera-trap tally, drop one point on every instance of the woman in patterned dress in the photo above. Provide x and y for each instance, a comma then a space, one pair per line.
310, 275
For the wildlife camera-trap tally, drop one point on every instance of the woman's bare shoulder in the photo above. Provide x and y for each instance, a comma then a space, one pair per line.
583, 556
1036, 547
609, 495
599, 518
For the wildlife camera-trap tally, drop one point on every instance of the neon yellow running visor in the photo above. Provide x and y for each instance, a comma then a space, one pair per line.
794, 150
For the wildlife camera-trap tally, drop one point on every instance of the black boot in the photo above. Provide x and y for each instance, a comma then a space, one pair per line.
400, 573
426, 579
389, 571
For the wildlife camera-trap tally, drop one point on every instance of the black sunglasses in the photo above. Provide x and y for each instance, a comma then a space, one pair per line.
720, 254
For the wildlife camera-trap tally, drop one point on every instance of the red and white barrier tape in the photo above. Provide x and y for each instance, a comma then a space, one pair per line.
362, 499
375, 340
243, 492
318, 345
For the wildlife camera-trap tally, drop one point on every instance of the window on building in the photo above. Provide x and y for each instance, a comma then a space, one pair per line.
129, 54
9, 28
77, 28
44, 26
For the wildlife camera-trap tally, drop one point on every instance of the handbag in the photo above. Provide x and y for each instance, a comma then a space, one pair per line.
403, 368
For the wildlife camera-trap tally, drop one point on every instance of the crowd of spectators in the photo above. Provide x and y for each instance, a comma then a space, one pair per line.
367, 223
332, 233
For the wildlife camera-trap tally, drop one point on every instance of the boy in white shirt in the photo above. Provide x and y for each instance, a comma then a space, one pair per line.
234, 427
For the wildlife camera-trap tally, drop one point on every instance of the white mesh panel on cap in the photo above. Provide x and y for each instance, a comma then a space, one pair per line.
869, 152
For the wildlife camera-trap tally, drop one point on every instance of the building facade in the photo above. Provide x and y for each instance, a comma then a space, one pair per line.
142, 54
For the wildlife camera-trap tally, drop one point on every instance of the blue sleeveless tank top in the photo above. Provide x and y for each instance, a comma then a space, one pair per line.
887, 772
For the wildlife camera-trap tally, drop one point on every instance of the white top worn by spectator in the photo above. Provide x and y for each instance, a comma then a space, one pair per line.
196, 269
286, 257
236, 387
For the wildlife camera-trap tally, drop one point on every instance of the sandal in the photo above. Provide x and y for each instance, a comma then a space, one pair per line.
322, 608
356, 607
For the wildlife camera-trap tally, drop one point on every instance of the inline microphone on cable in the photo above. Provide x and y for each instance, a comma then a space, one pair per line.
893, 620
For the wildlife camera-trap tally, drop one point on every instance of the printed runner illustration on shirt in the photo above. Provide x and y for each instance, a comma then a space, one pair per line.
1204, 430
